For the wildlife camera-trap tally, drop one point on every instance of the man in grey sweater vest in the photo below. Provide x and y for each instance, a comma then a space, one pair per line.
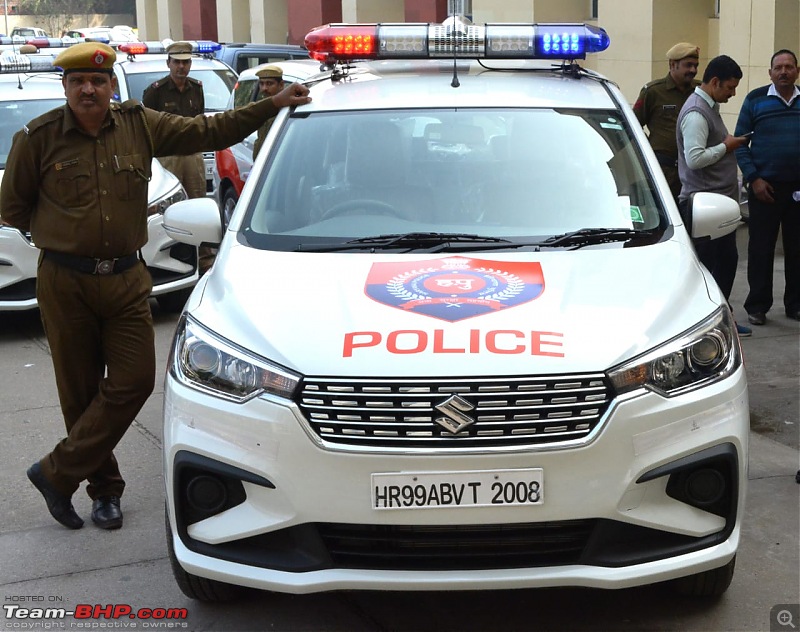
706, 162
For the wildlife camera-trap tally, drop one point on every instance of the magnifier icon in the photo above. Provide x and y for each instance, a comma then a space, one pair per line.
784, 617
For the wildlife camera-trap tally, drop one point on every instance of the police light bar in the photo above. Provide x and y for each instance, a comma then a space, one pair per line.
49, 42
202, 47
13, 62
345, 42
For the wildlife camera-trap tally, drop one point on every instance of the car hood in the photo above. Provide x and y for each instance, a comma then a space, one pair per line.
388, 314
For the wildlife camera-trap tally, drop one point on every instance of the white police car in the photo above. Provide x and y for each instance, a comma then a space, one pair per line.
30, 86
139, 64
456, 337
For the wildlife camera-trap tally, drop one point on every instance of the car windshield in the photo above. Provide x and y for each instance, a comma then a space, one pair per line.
518, 174
217, 85
15, 114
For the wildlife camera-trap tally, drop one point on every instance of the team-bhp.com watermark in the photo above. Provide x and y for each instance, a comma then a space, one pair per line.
44, 613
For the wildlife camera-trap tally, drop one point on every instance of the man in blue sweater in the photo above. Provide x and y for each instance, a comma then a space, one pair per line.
770, 166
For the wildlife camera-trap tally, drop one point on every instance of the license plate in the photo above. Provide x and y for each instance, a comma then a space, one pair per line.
479, 488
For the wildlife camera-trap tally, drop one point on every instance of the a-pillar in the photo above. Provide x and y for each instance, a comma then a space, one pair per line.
305, 15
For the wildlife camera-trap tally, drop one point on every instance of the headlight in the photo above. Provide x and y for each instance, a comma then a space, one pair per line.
703, 355
204, 361
162, 204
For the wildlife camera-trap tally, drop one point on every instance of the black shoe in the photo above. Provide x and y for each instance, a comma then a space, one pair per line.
106, 513
59, 505
794, 315
757, 318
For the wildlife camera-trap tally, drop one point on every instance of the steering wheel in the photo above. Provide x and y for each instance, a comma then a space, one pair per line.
366, 207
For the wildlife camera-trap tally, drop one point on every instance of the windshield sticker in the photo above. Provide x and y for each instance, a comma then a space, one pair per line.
636, 215
455, 288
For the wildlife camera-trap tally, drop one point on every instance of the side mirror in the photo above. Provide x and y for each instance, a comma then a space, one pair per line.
195, 222
711, 215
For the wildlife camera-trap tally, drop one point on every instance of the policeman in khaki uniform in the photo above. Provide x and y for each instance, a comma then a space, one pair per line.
76, 178
270, 82
659, 103
178, 93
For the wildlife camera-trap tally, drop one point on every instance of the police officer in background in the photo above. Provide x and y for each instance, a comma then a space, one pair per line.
270, 83
659, 103
178, 93
76, 178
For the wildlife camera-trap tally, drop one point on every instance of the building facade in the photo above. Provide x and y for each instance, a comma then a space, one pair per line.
641, 30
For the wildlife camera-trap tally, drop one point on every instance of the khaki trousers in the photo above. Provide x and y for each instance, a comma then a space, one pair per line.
101, 338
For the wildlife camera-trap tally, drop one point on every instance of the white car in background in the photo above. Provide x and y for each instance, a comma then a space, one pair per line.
173, 265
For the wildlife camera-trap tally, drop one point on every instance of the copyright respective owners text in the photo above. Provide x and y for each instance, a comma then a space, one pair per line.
784, 617
51, 612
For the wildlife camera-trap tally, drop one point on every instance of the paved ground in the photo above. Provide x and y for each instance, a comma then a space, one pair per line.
44, 565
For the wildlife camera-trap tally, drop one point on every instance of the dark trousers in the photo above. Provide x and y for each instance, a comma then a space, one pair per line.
766, 221
721, 257
101, 338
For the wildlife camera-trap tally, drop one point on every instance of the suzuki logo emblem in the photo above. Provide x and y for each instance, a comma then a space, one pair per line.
455, 409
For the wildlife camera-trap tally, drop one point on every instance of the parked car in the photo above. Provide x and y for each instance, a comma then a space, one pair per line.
233, 164
241, 56
24, 96
112, 34
140, 64
455, 338
28, 32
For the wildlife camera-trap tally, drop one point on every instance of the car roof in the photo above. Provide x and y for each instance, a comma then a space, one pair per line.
300, 68
35, 86
151, 62
427, 83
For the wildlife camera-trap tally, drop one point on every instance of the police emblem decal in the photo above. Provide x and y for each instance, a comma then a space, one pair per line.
455, 288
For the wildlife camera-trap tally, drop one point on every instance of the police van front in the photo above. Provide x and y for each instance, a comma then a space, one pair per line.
456, 337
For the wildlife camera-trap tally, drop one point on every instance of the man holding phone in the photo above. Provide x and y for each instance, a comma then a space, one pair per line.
770, 167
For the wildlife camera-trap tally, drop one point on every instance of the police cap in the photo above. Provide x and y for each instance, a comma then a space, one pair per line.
269, 72
180, 50
87, 57
682, 50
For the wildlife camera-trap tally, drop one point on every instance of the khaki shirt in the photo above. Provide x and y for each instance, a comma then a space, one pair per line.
262, 134
657, 107
86, 195
164, 96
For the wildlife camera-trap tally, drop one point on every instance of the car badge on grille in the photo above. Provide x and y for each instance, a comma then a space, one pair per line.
455, 409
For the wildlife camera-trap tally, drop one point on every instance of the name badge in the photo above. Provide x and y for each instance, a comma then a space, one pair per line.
66, 164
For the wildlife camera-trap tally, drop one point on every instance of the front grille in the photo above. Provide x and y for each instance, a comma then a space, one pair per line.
403, 414
453, 547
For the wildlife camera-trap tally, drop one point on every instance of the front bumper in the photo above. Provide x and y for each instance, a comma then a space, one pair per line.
298, 518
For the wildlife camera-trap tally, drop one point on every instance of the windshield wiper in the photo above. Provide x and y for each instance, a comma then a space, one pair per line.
409, 241
587, 236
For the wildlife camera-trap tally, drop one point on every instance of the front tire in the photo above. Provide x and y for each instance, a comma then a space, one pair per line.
228, 205
711, 583
199, 588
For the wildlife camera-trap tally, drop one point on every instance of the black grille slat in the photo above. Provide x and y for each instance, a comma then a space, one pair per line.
509, 412
404, 547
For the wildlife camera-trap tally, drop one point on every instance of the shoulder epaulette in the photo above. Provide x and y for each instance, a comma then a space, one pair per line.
41, 121
131, 104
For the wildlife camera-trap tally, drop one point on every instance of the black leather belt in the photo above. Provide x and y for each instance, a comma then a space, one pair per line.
90, 265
